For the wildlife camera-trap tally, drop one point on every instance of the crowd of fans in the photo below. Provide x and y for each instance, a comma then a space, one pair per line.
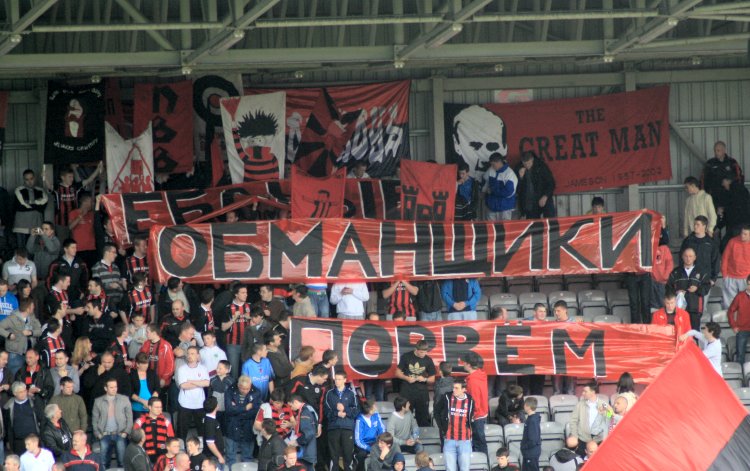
97, 356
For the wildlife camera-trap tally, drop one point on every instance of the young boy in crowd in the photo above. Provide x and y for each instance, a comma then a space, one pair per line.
531, 442
138, 333
444, 384
220, 384
403, 426
503, 460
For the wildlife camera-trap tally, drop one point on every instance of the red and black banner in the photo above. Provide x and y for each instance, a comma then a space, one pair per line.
337, 126
134, 213
372, 349
114, 109
428, 191
168, 108
589, 143
296, 250
3, 114
689, 418
317, 198
74, 132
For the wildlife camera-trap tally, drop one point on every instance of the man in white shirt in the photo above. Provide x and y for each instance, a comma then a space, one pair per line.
36, 458
710, 342
20, 268
211, 354
191, 378
349, 299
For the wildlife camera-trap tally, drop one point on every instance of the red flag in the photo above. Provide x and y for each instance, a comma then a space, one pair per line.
326, 135
217, 161
688, 418
115, 114
168, 107
428, 191
317, 197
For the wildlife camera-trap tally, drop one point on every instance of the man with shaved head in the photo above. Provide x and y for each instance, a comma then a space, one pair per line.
690, 284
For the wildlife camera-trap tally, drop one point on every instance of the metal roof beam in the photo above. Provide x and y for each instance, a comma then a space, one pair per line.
654, 27
13, 38
229, 37
138, 17
564, 15
444, 31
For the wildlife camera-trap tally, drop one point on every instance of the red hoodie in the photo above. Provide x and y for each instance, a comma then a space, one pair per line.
476, 386
739, 311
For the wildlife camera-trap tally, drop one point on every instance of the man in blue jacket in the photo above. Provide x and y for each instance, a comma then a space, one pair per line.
340, 408
305, 432
241, 405
461, 296
500, 183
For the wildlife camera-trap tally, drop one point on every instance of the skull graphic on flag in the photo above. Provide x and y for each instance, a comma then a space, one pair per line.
255, 124
130, 162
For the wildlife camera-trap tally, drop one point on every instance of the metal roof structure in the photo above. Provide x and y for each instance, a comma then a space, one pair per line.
69, 38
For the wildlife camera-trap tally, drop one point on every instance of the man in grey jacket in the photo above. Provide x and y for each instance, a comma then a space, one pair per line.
588, 421
136, 458
18, 329
44, 247
112, 419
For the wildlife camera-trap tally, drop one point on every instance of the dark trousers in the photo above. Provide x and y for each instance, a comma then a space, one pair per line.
530, 464
360, 457
548, 211
341, 445
188, 418
478, 438
639, 291
420, 403
695, 320
375, 389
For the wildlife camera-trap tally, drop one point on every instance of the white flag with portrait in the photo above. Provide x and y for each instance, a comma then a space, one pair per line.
130, 162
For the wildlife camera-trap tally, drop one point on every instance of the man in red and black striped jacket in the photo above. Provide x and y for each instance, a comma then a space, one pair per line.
137, 263
157, 429
454, 414
139, 299
235, 318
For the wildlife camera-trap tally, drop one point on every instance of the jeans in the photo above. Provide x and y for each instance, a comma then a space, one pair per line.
457, 452
244, 446
319, 300
742, 336
112, 441
374, 389
429, 316
657, 294
15, 362
462, 316
478, 438
234, 353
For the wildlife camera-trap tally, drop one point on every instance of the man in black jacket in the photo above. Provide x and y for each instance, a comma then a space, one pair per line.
708, 258
37, 377
719, 167
22, 416
689, 281
136, 458
536, 186
271, 453
56, 435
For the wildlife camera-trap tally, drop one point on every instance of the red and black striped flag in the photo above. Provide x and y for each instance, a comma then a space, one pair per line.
688, 419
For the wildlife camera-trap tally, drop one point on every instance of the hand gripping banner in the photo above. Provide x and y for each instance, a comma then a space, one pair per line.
372, 349
295, 250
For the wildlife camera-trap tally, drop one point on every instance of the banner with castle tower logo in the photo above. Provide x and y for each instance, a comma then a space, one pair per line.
428, 191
